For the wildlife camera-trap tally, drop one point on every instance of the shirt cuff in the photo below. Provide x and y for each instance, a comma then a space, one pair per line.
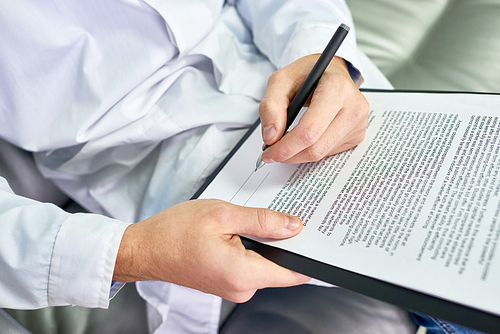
83, 260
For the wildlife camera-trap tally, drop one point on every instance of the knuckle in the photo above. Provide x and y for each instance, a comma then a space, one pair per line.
277, 77
341, 84
359, 121
317, 152
220, 212
263, 219
362, 110
355, 139
365, 107
281, 154
361, 105
310, 136
359, 138
268, 105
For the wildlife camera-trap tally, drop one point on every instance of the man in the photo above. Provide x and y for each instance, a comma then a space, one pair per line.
128, 106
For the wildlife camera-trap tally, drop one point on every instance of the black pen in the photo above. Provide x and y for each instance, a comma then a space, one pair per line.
311, 81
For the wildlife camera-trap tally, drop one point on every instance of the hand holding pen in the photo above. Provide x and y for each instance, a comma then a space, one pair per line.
337, 114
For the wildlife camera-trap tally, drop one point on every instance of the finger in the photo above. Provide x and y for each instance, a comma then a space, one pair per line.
308, 131
257, 273
322, 110
354, 138
273, 107
332, 120
281, 88
334, 140
330, 95
275, 275
261, 223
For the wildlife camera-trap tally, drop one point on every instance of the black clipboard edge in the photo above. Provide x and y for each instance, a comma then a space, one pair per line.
372, 287
377, 90
403, 297
236, 147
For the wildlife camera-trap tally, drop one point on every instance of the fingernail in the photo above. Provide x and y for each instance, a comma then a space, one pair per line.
268, 132
291, 222
268, 160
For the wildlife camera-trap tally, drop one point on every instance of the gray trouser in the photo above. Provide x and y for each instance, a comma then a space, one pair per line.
316, 310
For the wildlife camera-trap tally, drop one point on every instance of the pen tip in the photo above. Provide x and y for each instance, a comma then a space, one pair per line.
259, 163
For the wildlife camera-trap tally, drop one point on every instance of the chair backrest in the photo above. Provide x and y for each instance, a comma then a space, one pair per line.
432, 44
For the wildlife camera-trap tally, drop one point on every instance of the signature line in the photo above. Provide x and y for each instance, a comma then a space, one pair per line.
248, 178
256, 188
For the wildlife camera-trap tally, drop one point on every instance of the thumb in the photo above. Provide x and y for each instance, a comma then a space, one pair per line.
265, 223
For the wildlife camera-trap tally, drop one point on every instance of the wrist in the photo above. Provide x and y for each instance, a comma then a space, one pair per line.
128, 258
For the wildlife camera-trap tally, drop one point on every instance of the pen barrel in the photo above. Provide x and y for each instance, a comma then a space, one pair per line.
313, 78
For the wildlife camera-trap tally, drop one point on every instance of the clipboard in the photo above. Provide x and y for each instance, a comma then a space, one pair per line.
403, 297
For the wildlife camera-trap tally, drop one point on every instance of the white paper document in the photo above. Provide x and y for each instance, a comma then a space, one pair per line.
417, 204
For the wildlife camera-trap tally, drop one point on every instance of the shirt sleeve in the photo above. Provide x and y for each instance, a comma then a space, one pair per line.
50, 258
286, 30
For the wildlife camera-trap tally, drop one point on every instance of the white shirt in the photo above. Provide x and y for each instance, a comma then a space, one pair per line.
129, 105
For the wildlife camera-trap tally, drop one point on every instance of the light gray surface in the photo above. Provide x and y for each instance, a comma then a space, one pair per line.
18, 167
9, 325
